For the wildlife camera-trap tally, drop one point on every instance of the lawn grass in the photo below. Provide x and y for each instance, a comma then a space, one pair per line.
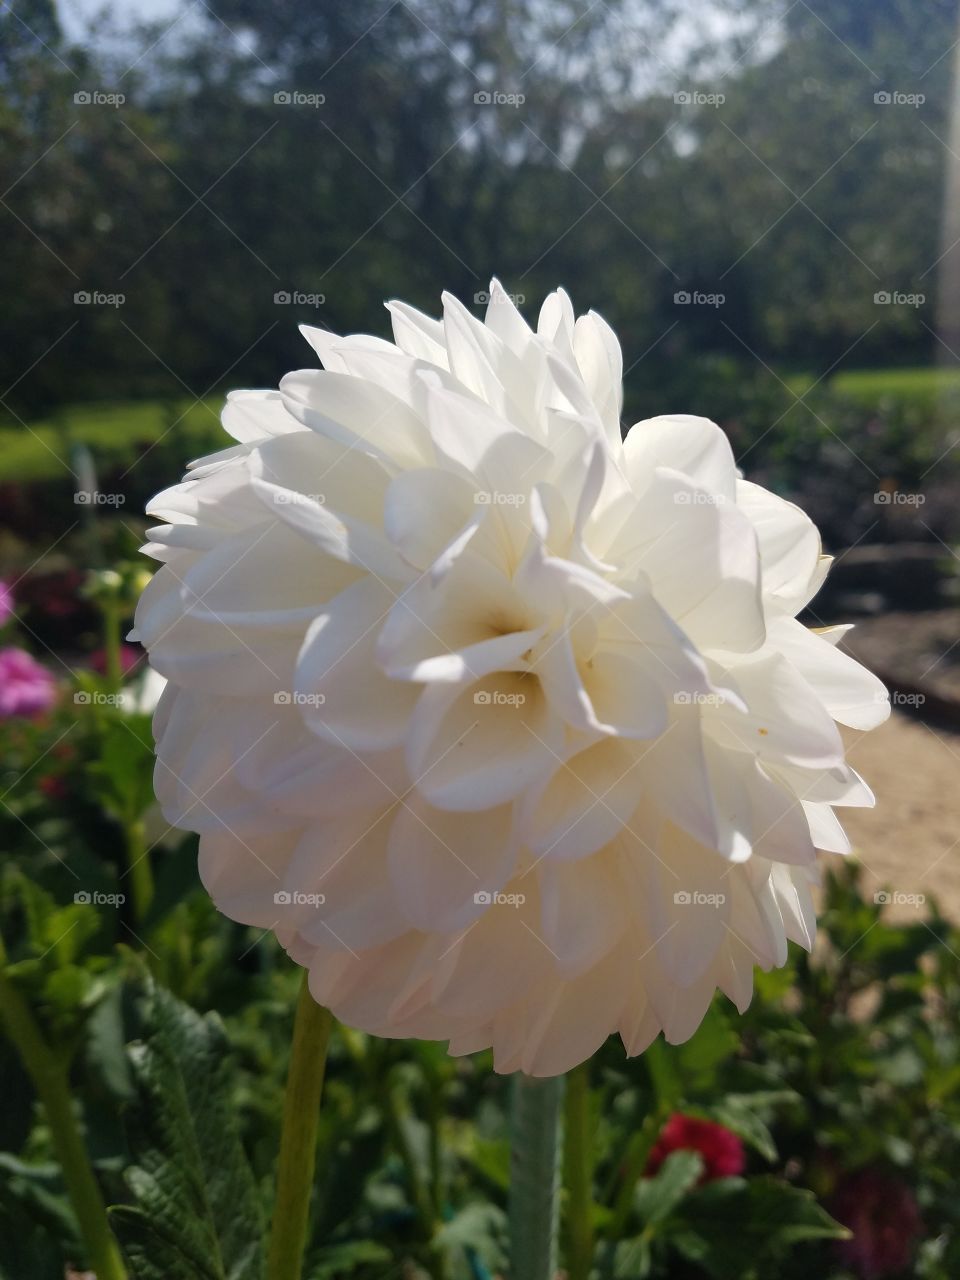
114, 433
920, 386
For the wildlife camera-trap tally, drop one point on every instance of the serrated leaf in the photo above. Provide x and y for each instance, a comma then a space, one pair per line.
736, 1224
196, 1213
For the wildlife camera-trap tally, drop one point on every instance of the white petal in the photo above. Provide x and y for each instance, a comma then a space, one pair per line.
601, 365
474, 747
583, 911
357, 414
417, 334
585, 803
852, 694
688, 906
342, 864
342, 693
445, 870
784, 722
468, 625
425, 509
694, 446
340, 537
571, 1025
789, 546
251, 416
825, 829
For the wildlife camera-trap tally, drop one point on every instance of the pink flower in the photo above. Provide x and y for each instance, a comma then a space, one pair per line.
884, 1217
722, 1151
6, 603
26, 688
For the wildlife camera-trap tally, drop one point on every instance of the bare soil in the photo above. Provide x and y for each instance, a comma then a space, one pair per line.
910, 843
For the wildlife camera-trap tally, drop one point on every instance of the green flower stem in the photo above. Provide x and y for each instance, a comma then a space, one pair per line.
298, 1139
633, 1165
112, 640
395, 1113
535, 1177
49, 1074
138, 867
578, 1173
435, 1111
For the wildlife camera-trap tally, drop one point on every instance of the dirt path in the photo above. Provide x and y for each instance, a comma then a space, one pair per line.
910, 843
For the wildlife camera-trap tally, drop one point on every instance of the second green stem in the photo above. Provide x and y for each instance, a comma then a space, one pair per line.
578, 1174
298, 1139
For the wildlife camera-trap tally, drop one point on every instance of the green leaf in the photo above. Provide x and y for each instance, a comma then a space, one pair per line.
481, 1228
122, 777
36, 1192
655, 1198
343, 1259
104, 1049
739, 1114
196, 1214
491, 1158
632, 1259
736, 1224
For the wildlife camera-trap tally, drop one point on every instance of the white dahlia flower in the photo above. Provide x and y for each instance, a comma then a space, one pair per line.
504, 725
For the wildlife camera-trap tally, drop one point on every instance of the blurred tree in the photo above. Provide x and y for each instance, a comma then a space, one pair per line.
377, 148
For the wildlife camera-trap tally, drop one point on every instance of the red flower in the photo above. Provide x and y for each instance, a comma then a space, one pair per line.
884, 1217
722, 1151
52, 787
129, 657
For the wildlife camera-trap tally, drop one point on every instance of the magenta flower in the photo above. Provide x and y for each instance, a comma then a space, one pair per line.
883, 1214
6, 603
26, 688
722, 1150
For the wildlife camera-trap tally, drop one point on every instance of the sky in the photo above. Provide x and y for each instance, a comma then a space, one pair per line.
75, 14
